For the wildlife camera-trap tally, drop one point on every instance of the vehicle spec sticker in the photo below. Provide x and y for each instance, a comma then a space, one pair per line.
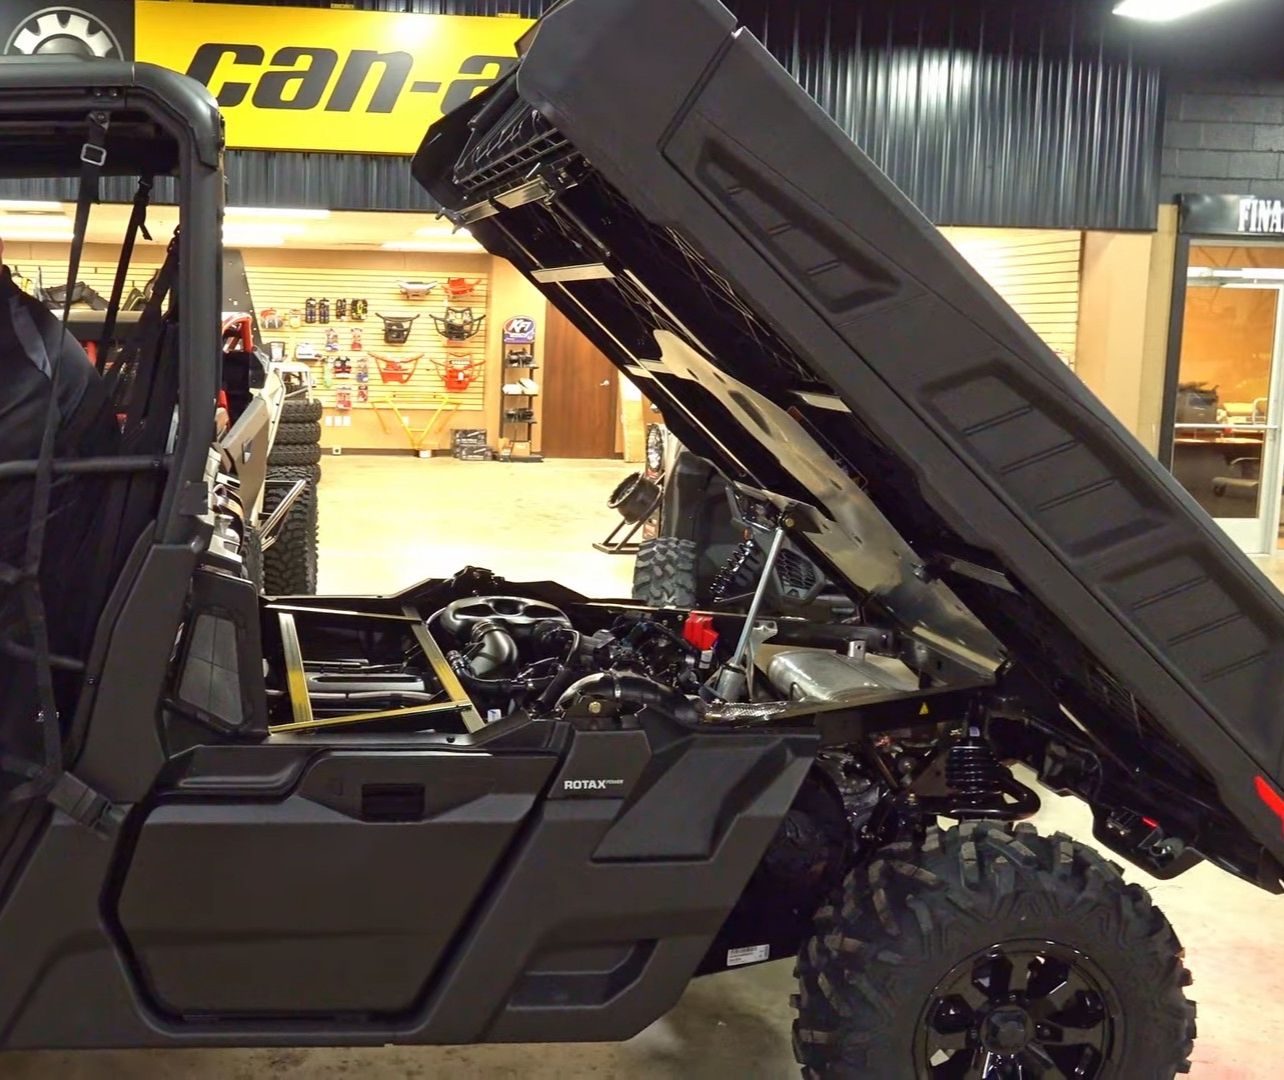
752, 954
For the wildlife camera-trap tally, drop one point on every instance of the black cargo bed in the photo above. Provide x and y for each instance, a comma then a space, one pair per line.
727, 210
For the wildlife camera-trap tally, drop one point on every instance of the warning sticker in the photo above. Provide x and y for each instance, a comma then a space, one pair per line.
753, 954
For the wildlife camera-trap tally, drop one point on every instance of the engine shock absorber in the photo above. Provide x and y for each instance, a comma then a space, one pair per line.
731, 577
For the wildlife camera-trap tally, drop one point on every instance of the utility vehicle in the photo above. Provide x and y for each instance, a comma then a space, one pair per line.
488, 811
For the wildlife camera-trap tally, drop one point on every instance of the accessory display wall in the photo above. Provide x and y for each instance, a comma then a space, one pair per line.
394, 376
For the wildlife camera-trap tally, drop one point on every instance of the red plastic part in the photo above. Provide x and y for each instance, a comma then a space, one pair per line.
1271, 798
700, 632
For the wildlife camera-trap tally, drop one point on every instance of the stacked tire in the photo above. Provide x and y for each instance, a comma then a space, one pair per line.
298, 438
290, 563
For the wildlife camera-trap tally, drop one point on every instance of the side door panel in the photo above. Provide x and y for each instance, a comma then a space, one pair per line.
339, 898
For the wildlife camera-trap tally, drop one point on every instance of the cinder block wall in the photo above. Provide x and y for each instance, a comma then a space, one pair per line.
1224, 137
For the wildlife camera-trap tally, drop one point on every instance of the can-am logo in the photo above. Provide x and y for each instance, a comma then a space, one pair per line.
590, 785
63, 31
299, 78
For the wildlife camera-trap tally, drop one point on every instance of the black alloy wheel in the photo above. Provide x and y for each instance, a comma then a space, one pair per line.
1019, 1010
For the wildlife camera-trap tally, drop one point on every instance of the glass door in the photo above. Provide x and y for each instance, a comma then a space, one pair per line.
1226, 446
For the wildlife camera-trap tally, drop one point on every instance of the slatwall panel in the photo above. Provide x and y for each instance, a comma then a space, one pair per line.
1036, 271
286, 288
97, 275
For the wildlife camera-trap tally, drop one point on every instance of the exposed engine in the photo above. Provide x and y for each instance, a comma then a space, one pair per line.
513, 654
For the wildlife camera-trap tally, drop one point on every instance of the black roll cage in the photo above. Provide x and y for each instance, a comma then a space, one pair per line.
91, 120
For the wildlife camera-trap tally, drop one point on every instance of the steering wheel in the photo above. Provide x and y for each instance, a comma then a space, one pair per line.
515, 613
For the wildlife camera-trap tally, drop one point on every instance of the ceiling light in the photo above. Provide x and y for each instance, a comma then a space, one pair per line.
1162, 10
32, 206
275, 212
50, 235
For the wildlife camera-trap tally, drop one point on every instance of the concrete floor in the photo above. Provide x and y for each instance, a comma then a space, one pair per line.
389, 521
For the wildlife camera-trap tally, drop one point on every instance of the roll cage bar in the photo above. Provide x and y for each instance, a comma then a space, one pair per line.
90, 122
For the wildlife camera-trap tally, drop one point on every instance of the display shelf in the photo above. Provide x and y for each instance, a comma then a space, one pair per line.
518, 392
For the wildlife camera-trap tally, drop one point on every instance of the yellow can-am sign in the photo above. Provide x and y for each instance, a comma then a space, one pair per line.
363, 82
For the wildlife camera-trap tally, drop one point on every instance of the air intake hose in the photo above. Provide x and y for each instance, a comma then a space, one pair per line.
631, 689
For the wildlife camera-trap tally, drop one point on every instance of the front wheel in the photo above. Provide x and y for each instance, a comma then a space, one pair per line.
992, 953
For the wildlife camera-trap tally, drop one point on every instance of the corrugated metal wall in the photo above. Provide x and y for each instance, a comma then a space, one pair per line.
985, 116
999, 114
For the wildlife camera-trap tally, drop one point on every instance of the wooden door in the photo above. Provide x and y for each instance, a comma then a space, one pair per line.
581, 394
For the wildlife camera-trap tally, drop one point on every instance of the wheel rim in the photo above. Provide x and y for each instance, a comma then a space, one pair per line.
1016, 1011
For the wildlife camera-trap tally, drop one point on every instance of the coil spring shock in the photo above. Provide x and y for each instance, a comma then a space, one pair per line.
726, 577
973, 772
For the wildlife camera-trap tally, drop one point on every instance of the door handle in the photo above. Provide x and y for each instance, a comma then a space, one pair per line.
605, 382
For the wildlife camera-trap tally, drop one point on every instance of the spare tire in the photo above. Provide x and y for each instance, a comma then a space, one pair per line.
664, 575
294, 455
297, 434
290, 564
634, 497
252, 559
301, 411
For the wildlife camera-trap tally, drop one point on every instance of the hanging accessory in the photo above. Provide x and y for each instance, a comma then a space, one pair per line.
356, 345
340, 310
457, 288
396, 331
396, 371
332, 340
295, 320
310, 310
416, 290
457, 371
363, 392
360, 309
363, 370
343, 399
458, 324
323, 310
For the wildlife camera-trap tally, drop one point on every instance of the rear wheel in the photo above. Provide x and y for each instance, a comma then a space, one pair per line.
993, 953
664, 575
